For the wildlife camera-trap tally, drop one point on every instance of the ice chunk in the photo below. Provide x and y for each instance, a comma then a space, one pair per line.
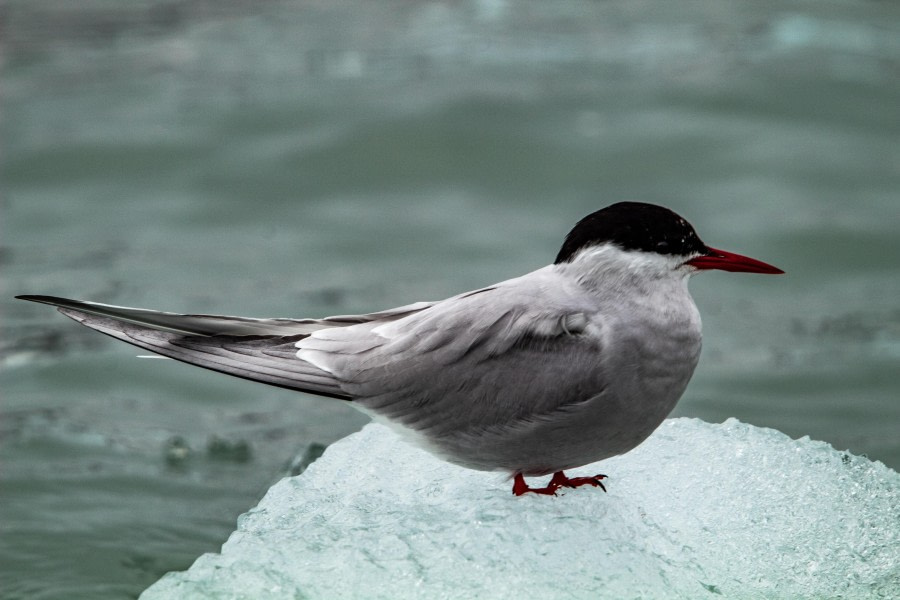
698, 510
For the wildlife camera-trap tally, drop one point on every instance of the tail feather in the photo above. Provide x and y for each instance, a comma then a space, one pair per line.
188, 324
256, 349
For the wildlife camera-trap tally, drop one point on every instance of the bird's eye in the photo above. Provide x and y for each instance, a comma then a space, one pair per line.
663, 245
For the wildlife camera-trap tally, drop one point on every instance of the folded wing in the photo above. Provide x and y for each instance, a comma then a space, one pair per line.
518, 352
256, 349
514, 353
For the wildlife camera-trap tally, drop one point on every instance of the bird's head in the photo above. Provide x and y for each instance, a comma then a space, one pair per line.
638, 234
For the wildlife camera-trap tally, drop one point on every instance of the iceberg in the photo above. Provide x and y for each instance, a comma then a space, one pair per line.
699, 510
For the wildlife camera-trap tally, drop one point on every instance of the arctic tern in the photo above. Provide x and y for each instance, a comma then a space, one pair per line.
570, 364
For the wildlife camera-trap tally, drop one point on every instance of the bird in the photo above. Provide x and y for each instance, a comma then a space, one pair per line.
567, 365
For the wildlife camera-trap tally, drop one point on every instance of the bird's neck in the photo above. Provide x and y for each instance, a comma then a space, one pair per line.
611, 271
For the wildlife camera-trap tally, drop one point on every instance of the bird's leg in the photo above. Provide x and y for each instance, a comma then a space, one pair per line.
520, 487
560, 480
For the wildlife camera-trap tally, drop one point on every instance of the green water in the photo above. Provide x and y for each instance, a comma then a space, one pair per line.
305, 159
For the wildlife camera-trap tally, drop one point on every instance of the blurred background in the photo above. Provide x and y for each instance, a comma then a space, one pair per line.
307, 158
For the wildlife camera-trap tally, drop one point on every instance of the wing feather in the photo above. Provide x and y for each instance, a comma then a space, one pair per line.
267, 359
489, 358
510, 353
199, 324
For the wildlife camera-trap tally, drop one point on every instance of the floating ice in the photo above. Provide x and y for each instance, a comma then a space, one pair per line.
698, 510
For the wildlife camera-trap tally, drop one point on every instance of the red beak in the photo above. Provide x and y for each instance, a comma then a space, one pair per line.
726, 261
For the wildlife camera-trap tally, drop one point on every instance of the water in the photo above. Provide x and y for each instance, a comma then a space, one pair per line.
298, 159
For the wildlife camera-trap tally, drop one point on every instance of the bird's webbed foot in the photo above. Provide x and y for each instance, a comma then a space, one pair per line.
558, 480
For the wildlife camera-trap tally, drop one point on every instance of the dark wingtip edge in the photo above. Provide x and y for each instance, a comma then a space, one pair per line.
52, 300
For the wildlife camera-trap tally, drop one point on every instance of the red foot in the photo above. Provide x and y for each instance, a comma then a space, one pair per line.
559, 480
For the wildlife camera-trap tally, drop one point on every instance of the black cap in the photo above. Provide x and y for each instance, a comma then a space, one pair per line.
633, 226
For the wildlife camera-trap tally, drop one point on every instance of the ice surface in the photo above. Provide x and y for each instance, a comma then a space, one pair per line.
699, 510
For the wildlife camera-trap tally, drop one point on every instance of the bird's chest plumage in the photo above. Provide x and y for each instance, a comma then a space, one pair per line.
590, 394
652, 357
651, 345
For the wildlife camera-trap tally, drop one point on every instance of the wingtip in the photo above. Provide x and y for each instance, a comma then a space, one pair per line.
54, 300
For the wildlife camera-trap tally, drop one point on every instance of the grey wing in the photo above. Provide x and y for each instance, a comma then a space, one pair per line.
256, 349
199, 324
507, 354
267, 359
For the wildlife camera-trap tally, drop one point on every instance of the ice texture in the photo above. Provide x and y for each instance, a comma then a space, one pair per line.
699, 510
